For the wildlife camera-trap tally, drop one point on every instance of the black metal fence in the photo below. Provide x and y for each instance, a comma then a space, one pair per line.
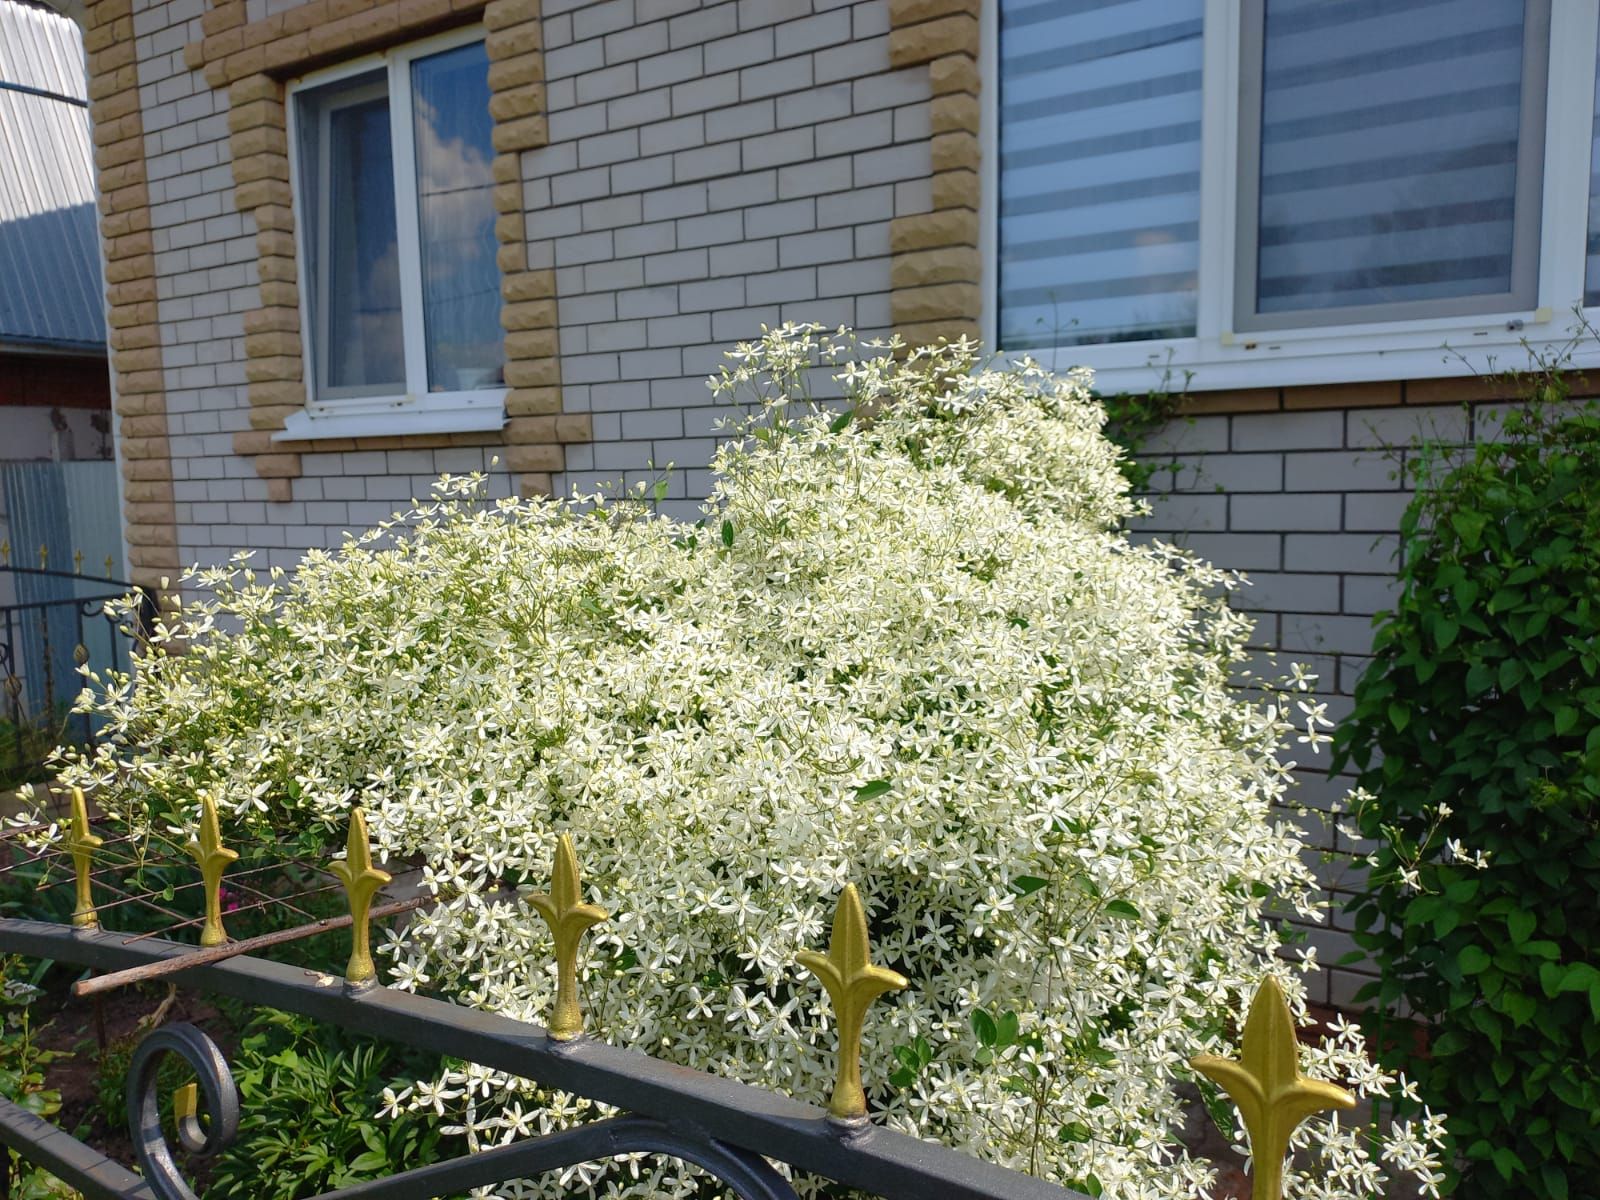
731, 1130
51, 623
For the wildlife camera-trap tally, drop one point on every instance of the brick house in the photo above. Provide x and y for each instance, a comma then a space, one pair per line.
351, 244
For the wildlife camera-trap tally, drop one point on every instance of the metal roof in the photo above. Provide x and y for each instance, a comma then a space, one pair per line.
50, 290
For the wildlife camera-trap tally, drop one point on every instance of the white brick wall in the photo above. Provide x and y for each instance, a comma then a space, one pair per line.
1307, 504
711, 168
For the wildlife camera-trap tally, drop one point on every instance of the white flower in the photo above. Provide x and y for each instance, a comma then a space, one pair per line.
916, 652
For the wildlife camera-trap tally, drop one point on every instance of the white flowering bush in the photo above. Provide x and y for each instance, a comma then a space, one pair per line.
910, 646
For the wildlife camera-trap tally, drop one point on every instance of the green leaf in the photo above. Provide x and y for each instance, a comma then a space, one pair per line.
1578, 977
984, 1027
1473, 960
877, 787
1469, 527
1506, 1162
1027, 885
1521, 925
1121, 908
839, 423
727, 533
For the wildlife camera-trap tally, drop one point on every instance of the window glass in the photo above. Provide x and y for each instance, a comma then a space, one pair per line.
1099, 170
1389, 150
355, 298
455, 208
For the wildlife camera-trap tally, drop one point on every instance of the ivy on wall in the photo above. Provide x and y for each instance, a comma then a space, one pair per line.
1476, 732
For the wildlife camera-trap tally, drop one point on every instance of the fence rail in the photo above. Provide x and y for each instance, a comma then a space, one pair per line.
732, 1130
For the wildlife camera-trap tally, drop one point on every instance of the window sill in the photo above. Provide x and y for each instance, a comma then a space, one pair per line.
1433, 349
396, 422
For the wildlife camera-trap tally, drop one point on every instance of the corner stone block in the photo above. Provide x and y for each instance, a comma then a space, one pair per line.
525, 101
955, 189
954, 73
518, 71
958, 112
925, 231
501, 14
948, 264
526, 133
278, 466
528, 314
910, 12
528, 285
535, 484
270, 418
533, 402
537, 458
926, 333
924, 42
510, 41
956, 150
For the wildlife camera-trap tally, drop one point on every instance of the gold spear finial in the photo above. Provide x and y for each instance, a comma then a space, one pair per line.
77, 561
5, 552
361, 883
853, 983
81, 845
44, 556
109, 565
213, 857
569, 918
1272, 1095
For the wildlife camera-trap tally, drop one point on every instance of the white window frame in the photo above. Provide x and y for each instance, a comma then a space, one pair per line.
416, 410
1218, 357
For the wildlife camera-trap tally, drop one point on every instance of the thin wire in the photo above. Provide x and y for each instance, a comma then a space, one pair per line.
188, 921
128, 898
121, 866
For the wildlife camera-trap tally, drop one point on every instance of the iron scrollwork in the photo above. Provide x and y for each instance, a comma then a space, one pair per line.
201, 1140
749, 1176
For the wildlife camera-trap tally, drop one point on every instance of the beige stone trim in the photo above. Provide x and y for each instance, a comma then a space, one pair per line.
252, 59
936, 273
130, 269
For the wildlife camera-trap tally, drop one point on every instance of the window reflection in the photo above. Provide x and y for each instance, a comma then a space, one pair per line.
1099, 170
355, 301
455, 209
1389, 142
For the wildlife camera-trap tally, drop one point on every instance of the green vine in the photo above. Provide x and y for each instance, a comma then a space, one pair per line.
1476, 734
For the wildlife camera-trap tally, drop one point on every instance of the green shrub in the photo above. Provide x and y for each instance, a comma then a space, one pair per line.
311, 1096
916, 651
1477, 731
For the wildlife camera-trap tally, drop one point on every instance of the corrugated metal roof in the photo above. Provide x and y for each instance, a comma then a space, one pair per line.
50, 291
